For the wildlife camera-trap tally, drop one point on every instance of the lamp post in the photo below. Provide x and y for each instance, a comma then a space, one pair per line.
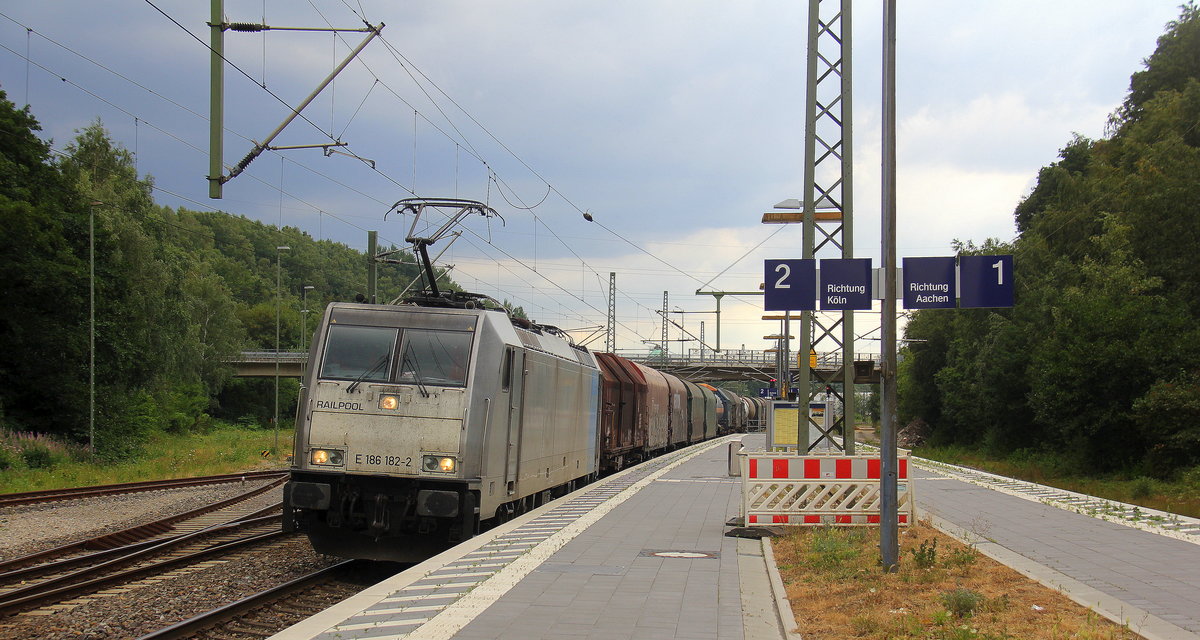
278, 305
92, 325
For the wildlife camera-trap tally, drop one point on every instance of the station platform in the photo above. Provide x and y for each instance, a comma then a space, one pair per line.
642, 555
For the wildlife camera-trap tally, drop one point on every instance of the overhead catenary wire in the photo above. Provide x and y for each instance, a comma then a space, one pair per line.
506, 191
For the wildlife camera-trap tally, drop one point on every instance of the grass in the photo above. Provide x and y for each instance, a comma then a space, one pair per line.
1181, 496
223, 449
942, 590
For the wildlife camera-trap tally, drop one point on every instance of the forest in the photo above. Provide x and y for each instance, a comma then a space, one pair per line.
178, 293
1096, 364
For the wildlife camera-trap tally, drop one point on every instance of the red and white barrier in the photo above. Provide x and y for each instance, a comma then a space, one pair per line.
781, 488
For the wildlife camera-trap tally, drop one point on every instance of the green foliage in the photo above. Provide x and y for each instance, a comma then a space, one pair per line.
925, 555
178, 294
23, 450
960, 602
37, 457
832, 549
1096, 362
961, 558
223, 449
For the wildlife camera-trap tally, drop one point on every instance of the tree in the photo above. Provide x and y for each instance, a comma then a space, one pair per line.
43, 265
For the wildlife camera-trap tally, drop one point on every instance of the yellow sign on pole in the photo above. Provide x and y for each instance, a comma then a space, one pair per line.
812, 359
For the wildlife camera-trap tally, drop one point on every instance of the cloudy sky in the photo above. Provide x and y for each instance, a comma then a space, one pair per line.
676, 124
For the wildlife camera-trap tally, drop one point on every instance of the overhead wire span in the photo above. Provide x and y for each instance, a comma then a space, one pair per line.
461, 142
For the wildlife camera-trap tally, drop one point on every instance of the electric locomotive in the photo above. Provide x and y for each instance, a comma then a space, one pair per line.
416, 423
419, 420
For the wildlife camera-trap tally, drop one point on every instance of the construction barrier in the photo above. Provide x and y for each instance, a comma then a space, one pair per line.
780, 488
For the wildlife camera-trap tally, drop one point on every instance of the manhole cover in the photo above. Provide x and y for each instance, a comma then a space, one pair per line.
686, 555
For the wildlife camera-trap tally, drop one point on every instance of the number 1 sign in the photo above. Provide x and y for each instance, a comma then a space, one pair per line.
985, 281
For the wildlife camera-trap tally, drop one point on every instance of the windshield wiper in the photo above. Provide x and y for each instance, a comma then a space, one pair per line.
354, 385
416, 371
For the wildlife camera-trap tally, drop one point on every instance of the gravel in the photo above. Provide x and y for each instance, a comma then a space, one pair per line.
25, 529
148, 605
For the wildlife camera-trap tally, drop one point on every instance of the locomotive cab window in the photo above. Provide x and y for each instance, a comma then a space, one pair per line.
435, 357
353, 353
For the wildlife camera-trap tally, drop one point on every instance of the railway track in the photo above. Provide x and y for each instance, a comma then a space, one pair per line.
52, 495
266, 613
220, 512
55, 582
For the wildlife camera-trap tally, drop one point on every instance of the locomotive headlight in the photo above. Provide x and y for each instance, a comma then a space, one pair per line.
332, 457
389, 402
440, 464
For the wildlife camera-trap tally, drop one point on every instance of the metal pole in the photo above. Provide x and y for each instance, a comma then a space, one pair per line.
216, 100
664, 328
278, 304
92, 328
610, 337
372, 266
888, 542
848, 396
718, 345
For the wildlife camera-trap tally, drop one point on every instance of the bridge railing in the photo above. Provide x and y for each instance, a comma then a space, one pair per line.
733, 358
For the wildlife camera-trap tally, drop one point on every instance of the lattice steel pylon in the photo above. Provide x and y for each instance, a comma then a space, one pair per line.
828, 194
610, 338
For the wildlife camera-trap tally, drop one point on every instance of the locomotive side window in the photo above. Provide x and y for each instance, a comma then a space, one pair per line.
354, 352
435, 357
506, 370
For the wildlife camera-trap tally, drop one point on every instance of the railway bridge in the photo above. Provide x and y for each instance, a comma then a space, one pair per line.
695, 366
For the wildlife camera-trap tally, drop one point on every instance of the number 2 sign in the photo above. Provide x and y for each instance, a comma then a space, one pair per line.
985, 281
791, 285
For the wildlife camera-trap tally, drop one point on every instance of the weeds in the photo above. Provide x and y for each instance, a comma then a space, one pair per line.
925, 556
943, 590
961, 602
961, 558
32, 462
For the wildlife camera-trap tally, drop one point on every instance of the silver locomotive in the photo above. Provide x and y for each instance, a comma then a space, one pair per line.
417, 423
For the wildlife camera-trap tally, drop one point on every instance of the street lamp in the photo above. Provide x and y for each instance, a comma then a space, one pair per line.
278, 304
92, 325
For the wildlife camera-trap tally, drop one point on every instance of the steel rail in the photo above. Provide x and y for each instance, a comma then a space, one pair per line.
135, 533
54, 566
191, 626
50, 495
15, 601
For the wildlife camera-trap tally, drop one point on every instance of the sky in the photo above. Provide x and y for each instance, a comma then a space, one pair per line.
674, 124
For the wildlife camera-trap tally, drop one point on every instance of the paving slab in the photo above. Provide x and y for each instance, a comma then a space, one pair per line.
641, 554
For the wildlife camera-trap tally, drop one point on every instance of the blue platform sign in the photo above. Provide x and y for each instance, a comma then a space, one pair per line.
791, 285
929, 283
845, 284
985, 281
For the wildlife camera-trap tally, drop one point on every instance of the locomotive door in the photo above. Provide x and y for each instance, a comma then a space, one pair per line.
514, 377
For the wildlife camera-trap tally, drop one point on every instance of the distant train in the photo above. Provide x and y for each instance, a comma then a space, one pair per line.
419, 423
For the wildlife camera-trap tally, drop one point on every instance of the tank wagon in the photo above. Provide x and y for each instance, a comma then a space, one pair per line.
417, 425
